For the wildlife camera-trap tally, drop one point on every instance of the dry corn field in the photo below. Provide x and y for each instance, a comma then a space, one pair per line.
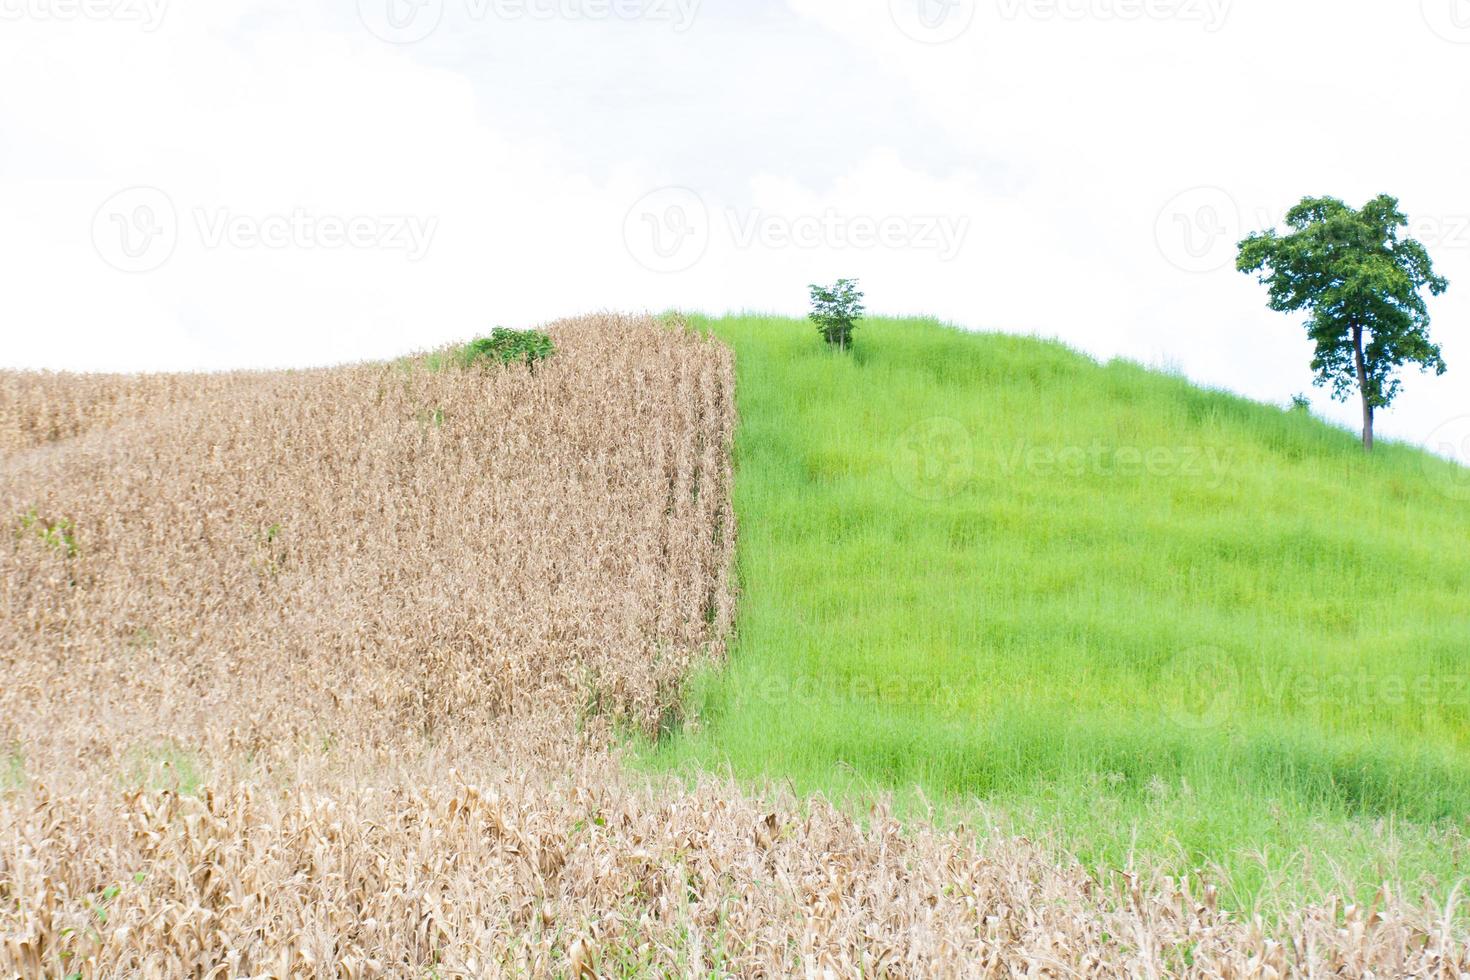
322, 673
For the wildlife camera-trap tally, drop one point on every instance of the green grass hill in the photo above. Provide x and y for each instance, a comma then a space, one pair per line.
1158, 623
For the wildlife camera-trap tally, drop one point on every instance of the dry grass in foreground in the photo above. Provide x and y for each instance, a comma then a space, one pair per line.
314, 674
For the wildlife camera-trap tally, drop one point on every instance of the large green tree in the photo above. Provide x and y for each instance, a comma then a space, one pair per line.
1363, 285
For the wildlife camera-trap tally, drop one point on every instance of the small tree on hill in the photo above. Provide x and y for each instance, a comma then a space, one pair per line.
836, 311
1363, 287
505, 346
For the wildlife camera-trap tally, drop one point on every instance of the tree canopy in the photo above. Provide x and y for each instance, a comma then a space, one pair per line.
1363, 284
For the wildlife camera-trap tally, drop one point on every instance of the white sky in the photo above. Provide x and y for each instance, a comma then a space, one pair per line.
270, 183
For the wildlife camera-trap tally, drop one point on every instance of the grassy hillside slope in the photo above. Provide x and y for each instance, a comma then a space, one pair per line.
1164, 621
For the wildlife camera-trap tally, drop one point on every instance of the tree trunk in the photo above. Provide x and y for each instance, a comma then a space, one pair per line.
1359, 363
